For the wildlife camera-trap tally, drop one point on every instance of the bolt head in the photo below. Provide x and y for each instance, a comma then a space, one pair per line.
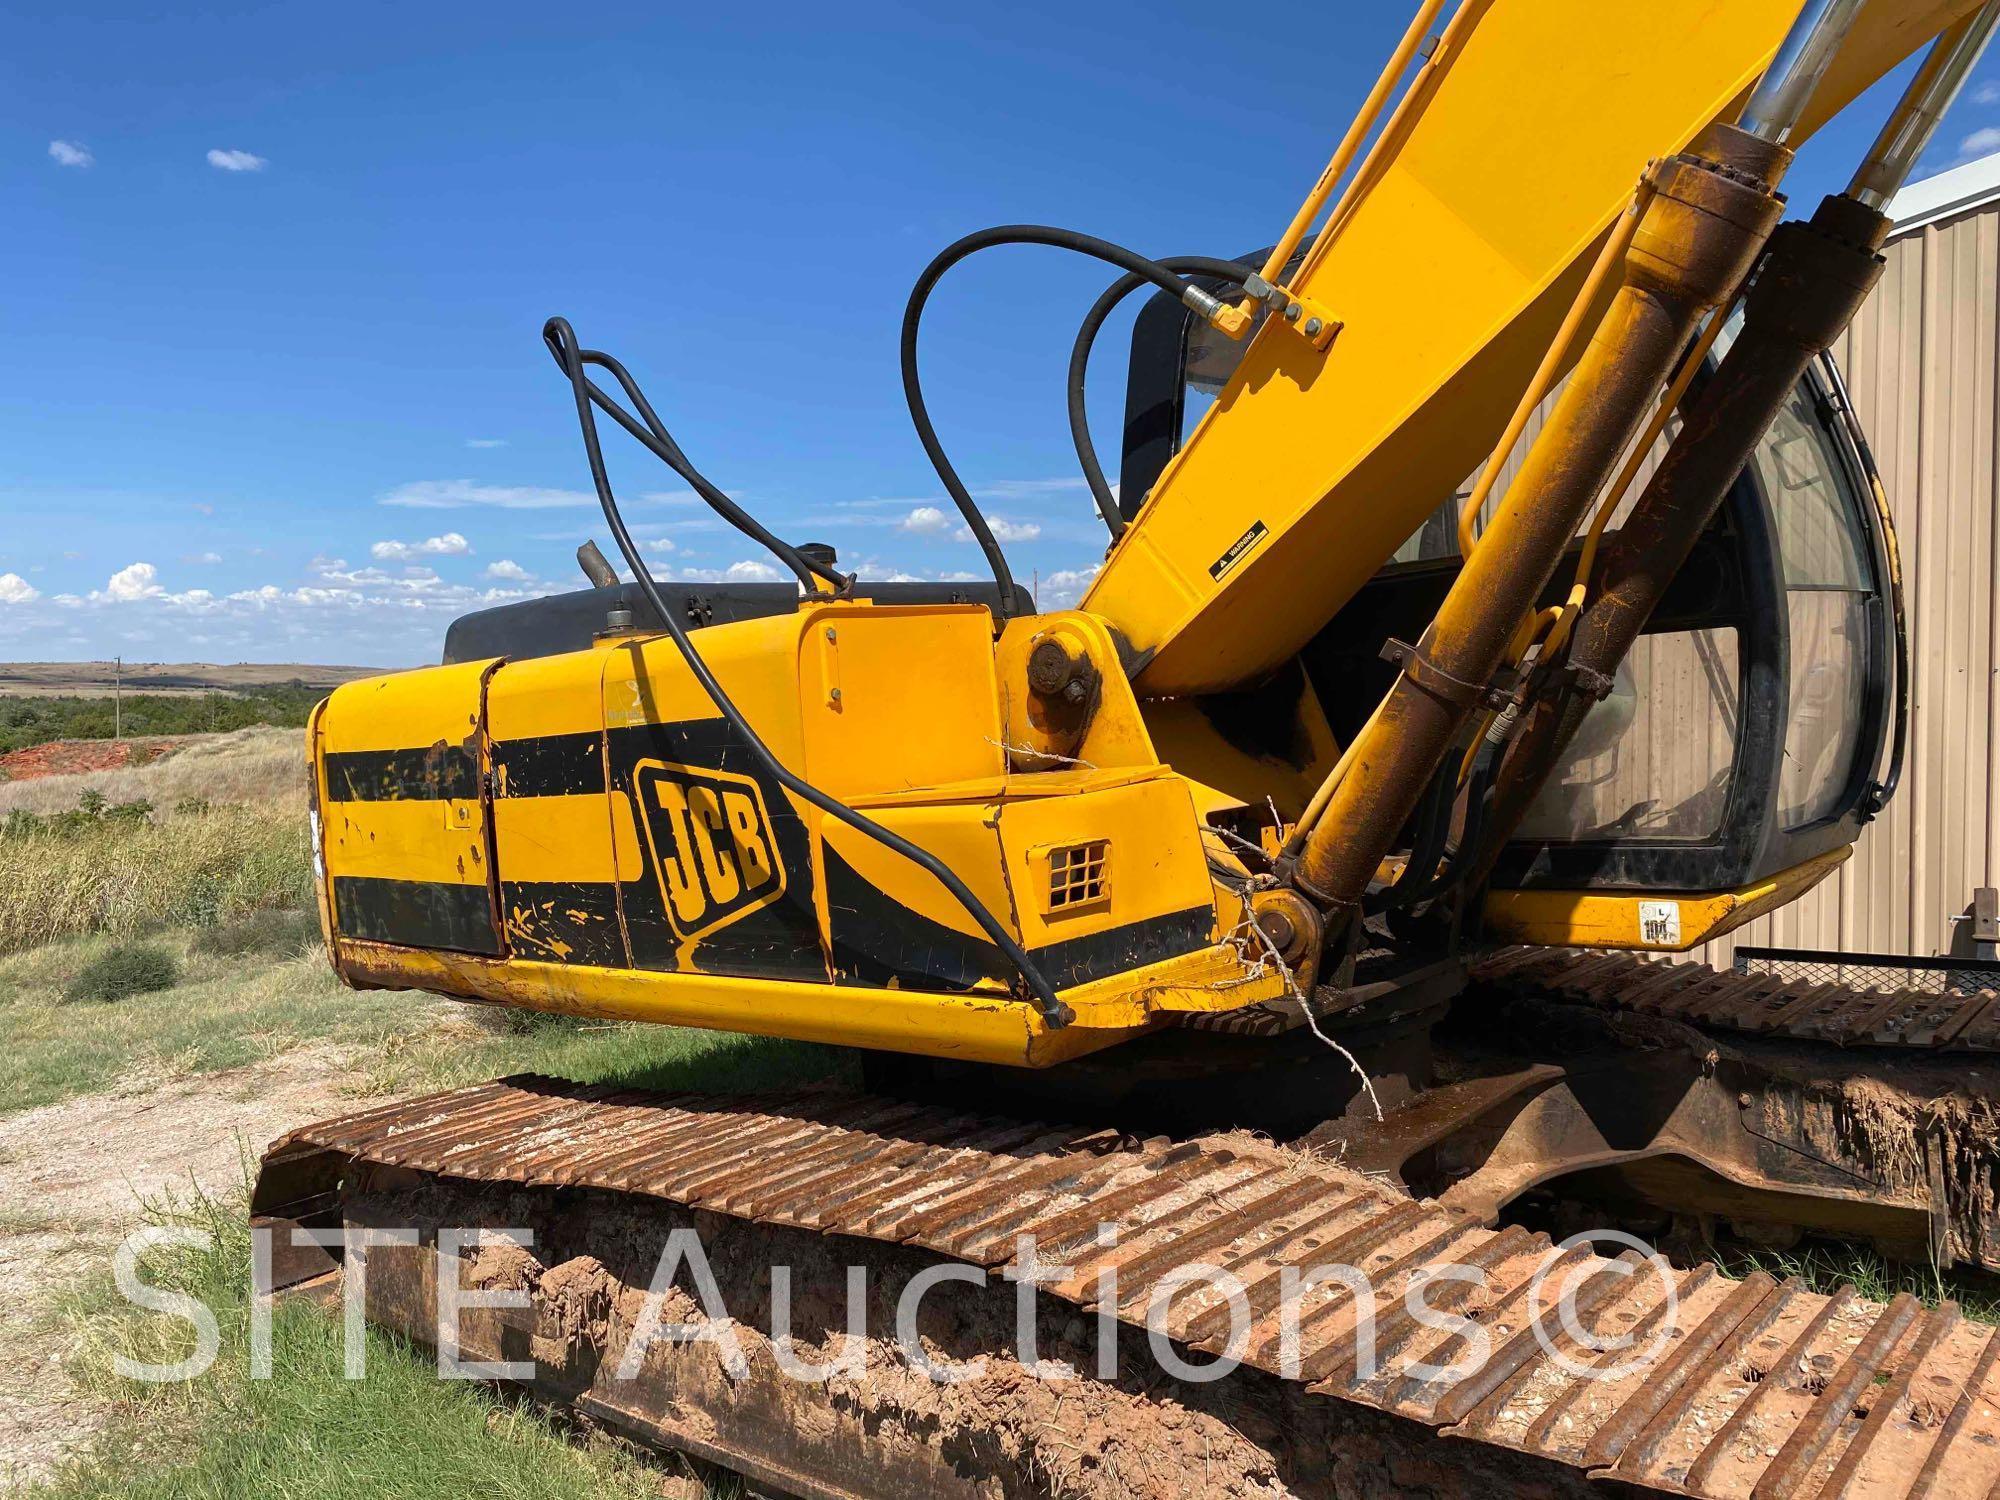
1277, 926
1049, 667
1313, 326
1292, 312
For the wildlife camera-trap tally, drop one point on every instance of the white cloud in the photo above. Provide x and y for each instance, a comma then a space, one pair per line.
71, 154
1987, 92
236, 161
747, 571
930, 520
455, 494
337, 571
507, 568
1979, 143
485, 442
451, 544
203, 558
14, 589
138, 581
660, 544
1062, 590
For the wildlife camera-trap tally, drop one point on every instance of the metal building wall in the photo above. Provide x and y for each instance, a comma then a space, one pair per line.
1923, 365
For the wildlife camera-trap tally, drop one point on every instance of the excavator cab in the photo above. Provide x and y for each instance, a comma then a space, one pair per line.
1752, 733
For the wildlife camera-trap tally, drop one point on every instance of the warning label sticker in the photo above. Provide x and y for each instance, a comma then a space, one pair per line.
1660, 924
1238, 550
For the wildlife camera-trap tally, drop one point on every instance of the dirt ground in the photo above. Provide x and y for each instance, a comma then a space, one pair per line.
73, 1177
74, 757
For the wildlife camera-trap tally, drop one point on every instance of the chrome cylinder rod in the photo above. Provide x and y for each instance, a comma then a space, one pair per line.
1922, 107
1781, 94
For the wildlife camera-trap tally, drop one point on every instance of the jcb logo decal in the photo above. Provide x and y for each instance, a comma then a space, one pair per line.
711, 842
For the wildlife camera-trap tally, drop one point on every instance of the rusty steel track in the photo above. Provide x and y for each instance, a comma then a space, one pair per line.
1759, 1388
1760, 1004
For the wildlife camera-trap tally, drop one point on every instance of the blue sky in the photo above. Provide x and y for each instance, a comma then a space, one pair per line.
274, 389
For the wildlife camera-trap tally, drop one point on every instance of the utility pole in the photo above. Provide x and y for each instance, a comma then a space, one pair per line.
118, 698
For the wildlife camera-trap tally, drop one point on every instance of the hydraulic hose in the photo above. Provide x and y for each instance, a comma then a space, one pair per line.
572, 358
1009, 234
1079, 366
660, 443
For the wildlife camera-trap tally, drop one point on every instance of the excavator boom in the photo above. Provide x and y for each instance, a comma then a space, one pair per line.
1448, 265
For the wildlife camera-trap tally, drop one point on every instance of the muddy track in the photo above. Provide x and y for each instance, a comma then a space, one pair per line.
1758, 1388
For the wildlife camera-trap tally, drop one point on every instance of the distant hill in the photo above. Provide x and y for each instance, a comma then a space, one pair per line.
87, 679
41, 702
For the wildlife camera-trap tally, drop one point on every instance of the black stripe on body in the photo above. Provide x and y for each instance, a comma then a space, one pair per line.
780, 940
442, 772
570, 922
549, 765
878, 941
1117, 950
415, 913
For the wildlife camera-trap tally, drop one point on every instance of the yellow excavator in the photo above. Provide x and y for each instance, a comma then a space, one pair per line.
1287, 901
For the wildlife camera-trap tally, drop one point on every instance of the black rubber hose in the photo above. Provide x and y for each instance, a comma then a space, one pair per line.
1079, 367
572, 357
660, 443
1478, 803
1003, 234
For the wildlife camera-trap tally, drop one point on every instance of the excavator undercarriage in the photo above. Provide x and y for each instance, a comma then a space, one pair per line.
1259, 965
1752, 1387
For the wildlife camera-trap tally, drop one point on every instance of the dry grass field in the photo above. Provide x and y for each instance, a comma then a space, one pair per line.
166, 1009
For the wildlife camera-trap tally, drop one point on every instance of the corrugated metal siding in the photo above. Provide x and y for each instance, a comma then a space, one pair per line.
1923, 365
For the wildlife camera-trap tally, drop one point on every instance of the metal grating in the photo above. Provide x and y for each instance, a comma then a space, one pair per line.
1876, 973
1079, 874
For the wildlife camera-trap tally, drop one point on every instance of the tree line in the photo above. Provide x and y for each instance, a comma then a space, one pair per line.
26, 721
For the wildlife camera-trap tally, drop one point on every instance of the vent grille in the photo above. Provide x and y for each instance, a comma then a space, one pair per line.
1079, 874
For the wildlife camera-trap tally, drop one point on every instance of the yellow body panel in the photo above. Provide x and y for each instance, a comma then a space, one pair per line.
1450, 277
399, 761
645, 866
970, 1028
1609, 919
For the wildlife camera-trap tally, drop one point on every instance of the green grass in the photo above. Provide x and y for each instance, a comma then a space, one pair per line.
233, 1010
123, 970
639, 1056
1824, 1265
398, 1432
224, 1013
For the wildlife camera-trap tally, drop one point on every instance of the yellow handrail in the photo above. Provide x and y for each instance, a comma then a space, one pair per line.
1364, 121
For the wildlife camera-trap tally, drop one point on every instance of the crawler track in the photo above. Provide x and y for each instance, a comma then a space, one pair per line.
1759, 1389
1759, 1004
